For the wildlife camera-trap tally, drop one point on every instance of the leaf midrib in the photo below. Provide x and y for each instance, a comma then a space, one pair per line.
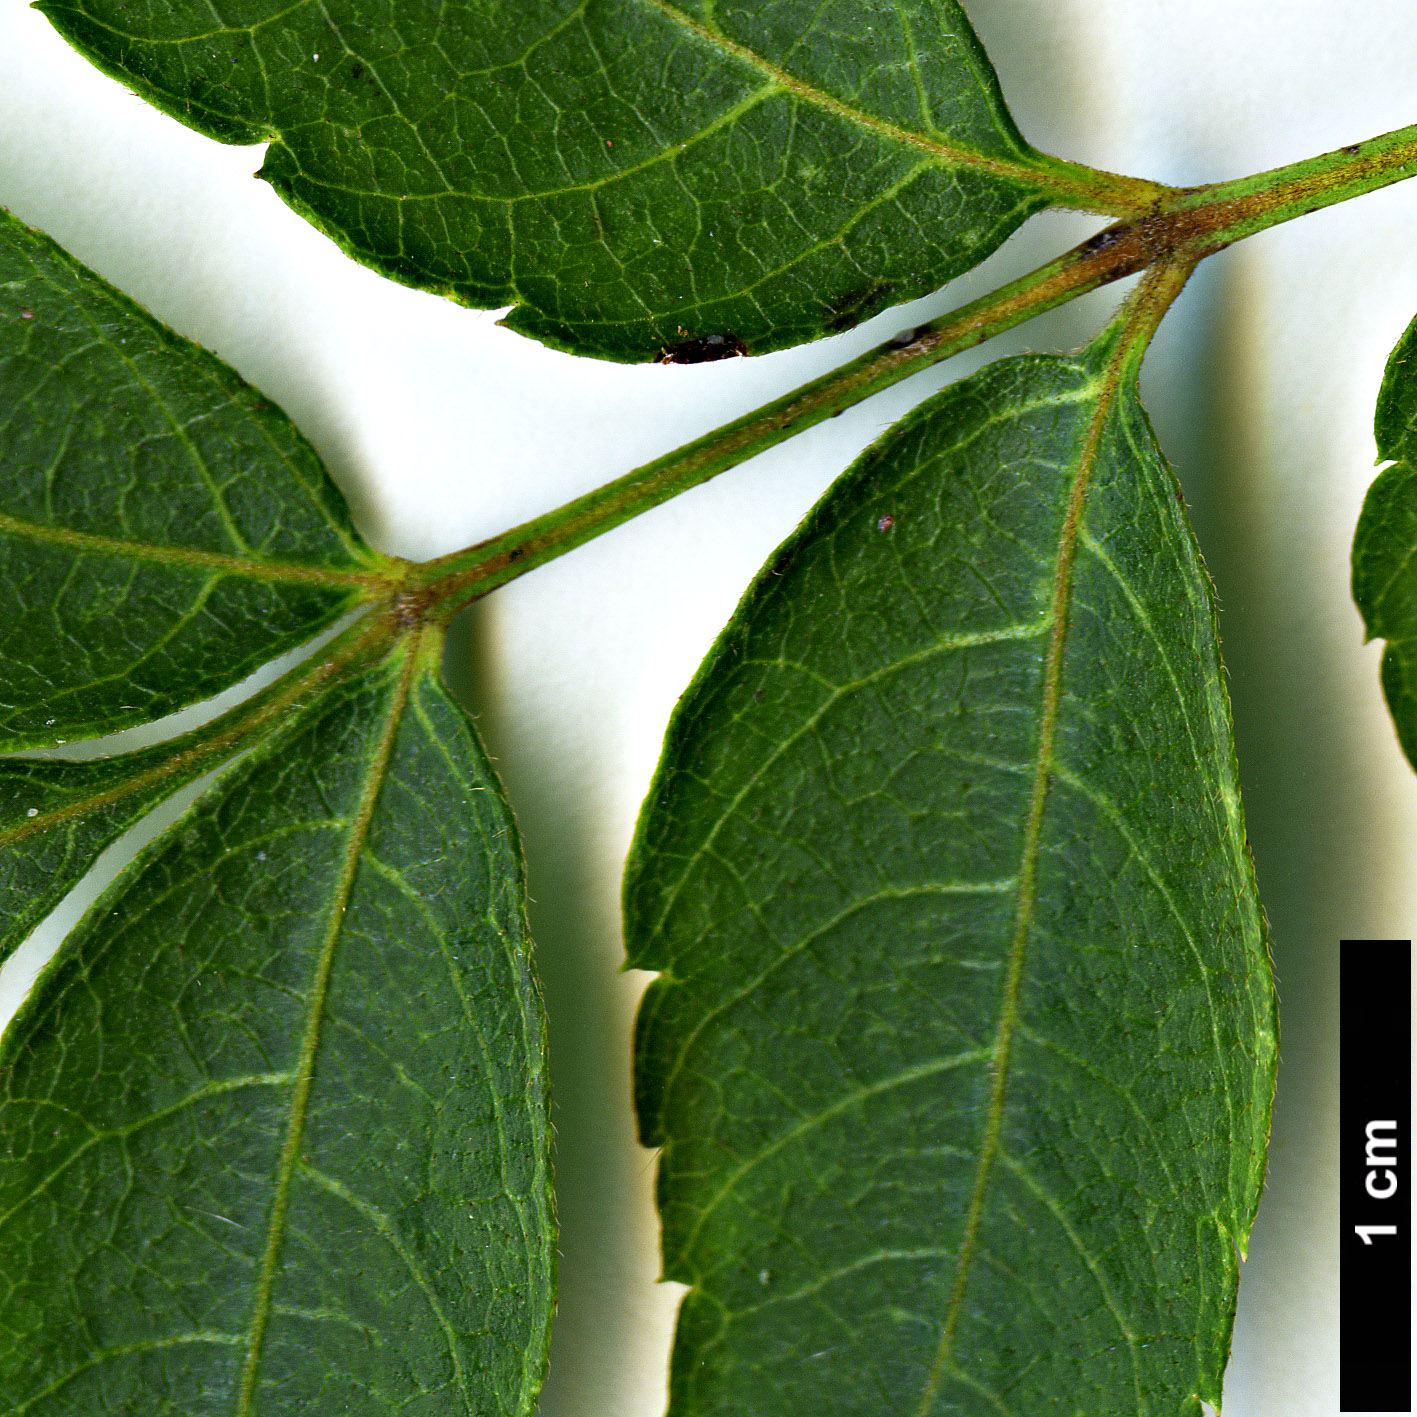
314, 1024
371, 582
1107, 388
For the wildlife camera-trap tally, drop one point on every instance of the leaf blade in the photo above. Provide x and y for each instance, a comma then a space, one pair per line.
853, 1072
308, 1122
163, 529
1384, 579
633, 178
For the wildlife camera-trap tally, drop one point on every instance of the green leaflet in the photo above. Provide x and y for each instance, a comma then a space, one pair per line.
634, 176
275, 1119
163, 530
1384, 576
963, 1049
273, 1122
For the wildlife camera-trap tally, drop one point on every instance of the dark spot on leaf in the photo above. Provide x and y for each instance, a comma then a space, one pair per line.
1350, 151
703, 350
886, 522
783, 562
356, 71
854, 308
26, 313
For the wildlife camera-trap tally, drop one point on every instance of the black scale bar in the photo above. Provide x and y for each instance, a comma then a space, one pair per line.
1374, 1176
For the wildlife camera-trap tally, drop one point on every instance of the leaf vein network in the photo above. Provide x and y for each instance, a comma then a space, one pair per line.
1050, 1203
178, 428
813, 1120
216, 1088
383, 1226
887, 892
1109, 810
106, 1355
1112, 1085
947, 644
420, 905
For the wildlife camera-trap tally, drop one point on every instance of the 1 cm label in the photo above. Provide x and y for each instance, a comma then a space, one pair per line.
1380, 1157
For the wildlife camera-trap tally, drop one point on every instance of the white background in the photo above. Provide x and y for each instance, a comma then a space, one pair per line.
443, 428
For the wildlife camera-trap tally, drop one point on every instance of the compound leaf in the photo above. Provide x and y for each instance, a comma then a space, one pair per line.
962, 1053
639, 178
275, 1119
1385, 542
164, 531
